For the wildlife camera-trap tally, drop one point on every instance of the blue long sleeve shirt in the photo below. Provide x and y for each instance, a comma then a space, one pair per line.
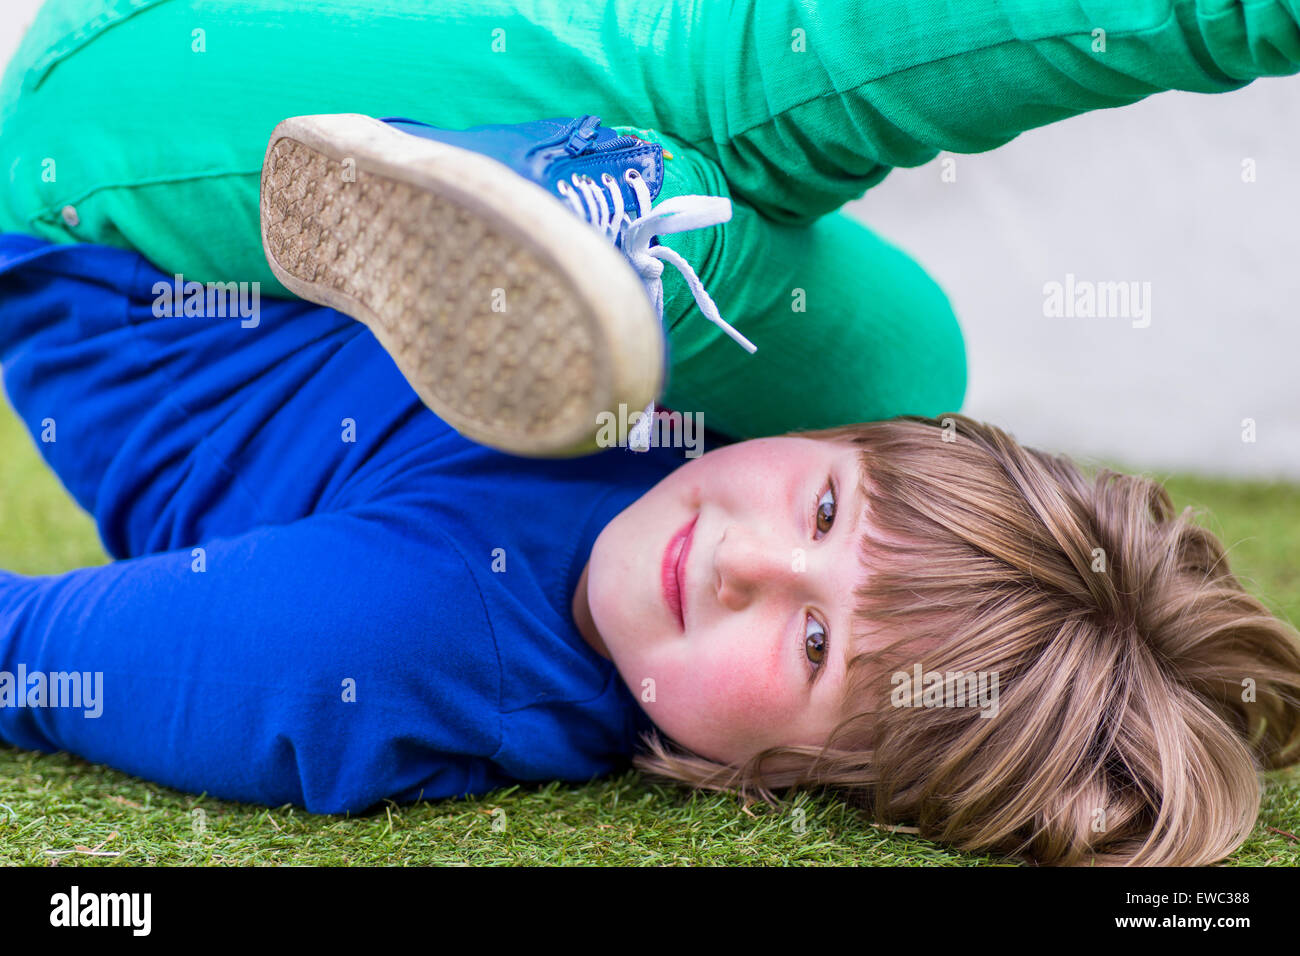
323, 595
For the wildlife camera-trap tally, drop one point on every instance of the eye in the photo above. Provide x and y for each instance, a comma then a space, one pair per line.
814, 642
826, 510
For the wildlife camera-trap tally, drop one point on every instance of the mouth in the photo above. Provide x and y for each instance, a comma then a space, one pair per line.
672, 570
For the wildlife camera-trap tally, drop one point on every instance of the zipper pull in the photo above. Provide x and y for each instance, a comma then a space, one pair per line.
583, 135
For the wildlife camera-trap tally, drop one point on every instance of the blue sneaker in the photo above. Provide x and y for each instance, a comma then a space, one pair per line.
511, 271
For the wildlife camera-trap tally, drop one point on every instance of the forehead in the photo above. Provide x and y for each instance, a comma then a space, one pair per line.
783, 462
800, 451
839, 459
841, 455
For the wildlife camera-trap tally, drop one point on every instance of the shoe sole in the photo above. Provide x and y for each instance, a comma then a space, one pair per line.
512, 318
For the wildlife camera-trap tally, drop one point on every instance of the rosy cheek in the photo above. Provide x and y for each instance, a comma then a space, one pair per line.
745, 692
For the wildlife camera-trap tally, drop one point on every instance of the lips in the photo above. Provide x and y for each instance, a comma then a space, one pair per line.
672, 570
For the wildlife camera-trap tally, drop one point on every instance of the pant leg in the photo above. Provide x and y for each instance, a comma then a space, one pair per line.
185, 193
149, 117
165, 157
923, 78
848, 327
805, 105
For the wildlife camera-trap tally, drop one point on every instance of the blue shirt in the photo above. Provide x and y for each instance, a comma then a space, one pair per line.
297, 615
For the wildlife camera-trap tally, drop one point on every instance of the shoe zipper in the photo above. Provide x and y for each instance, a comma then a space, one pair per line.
618, 142
580, 139
574, 140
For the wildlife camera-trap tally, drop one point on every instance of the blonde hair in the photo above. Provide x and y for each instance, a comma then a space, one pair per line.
1140, 688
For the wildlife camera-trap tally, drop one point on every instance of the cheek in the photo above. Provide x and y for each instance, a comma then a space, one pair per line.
727, 702
742, 683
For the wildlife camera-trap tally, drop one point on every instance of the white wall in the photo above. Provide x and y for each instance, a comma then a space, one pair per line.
15, 15
1146, 193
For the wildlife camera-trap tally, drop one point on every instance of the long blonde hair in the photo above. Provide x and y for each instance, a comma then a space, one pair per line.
1140, 688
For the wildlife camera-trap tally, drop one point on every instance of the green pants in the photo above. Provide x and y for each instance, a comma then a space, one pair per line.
142, 123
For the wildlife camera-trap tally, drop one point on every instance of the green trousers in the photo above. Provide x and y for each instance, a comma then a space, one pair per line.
142, 123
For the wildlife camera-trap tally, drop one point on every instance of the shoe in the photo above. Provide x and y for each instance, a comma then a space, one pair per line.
519, 297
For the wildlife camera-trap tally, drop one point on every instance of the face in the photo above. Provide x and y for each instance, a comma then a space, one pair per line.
730, 586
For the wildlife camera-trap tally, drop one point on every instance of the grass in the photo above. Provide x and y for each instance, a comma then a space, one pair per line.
59, 810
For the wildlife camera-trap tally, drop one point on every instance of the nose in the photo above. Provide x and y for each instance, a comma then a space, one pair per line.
747, 564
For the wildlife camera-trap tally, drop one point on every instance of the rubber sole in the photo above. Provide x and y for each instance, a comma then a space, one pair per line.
513, 320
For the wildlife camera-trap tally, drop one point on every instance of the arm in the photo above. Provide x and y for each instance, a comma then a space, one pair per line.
330, 663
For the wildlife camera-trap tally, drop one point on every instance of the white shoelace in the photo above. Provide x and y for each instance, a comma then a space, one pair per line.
633, 234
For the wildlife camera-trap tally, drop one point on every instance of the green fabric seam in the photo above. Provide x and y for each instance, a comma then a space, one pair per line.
53, 212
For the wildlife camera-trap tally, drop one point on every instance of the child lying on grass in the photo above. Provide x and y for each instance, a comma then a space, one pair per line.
327, 597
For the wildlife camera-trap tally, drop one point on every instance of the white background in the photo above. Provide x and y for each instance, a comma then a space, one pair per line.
1149, 193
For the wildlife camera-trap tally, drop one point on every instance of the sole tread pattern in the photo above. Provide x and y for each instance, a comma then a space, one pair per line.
489, 335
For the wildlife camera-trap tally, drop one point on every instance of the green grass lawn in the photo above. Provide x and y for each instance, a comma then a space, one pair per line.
60, 810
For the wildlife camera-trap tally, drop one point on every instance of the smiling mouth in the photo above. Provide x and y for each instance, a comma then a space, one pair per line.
672, 570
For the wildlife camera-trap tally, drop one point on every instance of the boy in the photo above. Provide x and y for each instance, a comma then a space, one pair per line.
327, 597
304, 546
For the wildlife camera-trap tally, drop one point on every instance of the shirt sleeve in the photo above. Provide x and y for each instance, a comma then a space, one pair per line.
329, 663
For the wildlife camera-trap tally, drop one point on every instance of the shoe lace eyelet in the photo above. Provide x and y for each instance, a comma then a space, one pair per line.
631, 174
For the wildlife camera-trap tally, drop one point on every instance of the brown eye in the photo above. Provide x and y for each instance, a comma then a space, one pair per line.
826, 511
814, 642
